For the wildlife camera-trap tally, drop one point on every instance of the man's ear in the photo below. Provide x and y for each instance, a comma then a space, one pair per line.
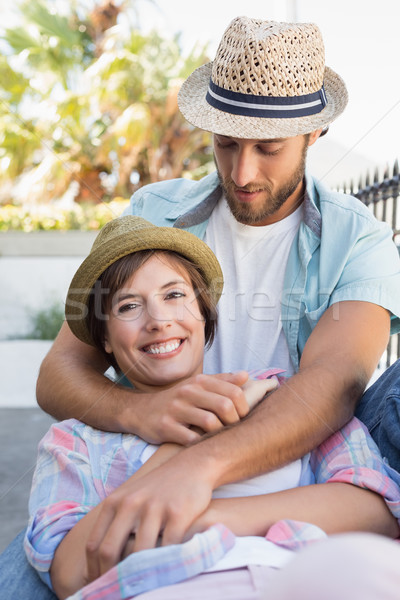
314, 135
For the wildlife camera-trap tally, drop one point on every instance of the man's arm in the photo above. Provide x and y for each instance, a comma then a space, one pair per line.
334, 507
339, 359
352, 493
72, 384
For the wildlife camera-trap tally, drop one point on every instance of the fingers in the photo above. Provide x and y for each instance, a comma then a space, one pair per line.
179, 432
233, 390
94, 542
218, 394
163, 502
174, 531
255, 390
109, 535
207, 402
149, 529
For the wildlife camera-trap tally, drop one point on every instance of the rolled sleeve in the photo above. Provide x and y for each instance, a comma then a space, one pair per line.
351, 456
63, 491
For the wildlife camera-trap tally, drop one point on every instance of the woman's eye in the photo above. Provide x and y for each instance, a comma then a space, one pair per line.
175, 294
127, 307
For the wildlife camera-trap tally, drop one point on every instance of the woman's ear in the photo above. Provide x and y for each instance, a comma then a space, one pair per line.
107, 346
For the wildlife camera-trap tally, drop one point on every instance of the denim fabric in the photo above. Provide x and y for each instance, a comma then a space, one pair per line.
18, 580
379, 409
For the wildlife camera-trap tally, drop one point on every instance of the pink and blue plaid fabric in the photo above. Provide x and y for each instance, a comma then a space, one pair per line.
79, 466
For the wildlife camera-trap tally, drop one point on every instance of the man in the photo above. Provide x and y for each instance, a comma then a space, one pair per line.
312, 282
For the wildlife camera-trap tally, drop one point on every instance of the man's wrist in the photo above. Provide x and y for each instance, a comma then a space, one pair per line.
123, 408
205, 459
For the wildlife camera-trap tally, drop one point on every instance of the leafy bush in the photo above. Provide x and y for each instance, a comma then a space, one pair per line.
46, 323
50, 217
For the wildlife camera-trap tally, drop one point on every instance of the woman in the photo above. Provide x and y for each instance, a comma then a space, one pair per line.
146, 296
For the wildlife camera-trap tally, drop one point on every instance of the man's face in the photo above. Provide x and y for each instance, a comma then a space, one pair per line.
262, 179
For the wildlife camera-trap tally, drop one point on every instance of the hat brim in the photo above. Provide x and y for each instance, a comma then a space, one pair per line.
151, 238
195, 108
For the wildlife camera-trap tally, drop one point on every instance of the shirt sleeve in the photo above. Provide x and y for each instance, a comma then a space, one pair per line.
348, 456
150, 569
63, 491
351, 456
371, 271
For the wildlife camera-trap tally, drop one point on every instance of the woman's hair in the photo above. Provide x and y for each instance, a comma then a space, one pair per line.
115, 277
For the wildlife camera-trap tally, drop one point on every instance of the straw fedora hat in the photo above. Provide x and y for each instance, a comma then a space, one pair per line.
126, 235
268, 80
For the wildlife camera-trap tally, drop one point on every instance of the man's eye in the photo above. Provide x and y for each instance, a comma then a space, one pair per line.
268, 151
225, 145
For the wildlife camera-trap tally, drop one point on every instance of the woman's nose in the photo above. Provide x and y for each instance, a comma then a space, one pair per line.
157, 317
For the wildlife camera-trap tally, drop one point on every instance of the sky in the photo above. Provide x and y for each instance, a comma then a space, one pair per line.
362, 44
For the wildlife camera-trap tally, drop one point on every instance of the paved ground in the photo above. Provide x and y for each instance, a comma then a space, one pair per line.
20, 431
22, 424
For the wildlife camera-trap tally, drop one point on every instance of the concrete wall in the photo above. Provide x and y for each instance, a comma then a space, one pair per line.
35, 271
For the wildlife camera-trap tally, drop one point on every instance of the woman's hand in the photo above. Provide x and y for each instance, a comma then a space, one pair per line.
256, 389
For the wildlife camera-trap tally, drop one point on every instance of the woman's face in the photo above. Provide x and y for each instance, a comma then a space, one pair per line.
155, 329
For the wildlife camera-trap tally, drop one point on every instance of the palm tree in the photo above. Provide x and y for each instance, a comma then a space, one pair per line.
85, 97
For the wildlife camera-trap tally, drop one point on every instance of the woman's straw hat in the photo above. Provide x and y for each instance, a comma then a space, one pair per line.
124, 236
268, 80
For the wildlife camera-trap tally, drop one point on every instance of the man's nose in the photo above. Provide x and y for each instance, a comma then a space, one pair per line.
244, 167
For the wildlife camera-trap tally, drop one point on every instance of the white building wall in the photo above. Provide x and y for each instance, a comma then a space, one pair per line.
35, 273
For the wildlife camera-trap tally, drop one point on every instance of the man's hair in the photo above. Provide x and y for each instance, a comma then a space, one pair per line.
115, 277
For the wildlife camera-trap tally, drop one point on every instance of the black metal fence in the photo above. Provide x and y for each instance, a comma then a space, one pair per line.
382, 196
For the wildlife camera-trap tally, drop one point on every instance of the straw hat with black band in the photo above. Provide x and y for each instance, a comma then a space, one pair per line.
126, 235
268, 80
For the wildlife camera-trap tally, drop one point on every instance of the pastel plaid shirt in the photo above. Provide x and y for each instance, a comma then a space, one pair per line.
79, 466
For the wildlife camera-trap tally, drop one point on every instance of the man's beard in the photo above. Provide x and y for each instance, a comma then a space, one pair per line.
247, 213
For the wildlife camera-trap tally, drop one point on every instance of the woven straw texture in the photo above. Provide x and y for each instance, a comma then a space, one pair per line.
264, 58
126, 235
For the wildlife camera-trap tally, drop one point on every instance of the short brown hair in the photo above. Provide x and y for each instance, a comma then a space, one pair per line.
115, 277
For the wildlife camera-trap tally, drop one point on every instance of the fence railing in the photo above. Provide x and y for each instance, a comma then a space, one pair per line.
381, 193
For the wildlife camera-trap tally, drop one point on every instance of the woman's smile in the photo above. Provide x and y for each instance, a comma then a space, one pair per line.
155, 329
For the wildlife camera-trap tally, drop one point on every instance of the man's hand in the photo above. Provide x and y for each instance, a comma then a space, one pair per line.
150, 508
72, 384
204, 402
138, 516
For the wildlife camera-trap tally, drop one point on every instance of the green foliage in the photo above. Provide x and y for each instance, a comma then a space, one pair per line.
12, 85
86, 97
90, 217
46, 323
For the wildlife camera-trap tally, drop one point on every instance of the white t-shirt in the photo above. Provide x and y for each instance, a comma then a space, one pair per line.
250, 334
256, 550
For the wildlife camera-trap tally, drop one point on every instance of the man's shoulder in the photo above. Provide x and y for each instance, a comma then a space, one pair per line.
328, 196
345, 207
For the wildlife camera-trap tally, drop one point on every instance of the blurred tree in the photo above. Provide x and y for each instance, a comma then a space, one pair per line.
85, 97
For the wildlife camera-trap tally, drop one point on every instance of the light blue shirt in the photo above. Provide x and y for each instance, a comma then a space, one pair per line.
341, 251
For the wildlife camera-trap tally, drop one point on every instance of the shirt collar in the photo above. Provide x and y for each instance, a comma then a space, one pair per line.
202, 211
